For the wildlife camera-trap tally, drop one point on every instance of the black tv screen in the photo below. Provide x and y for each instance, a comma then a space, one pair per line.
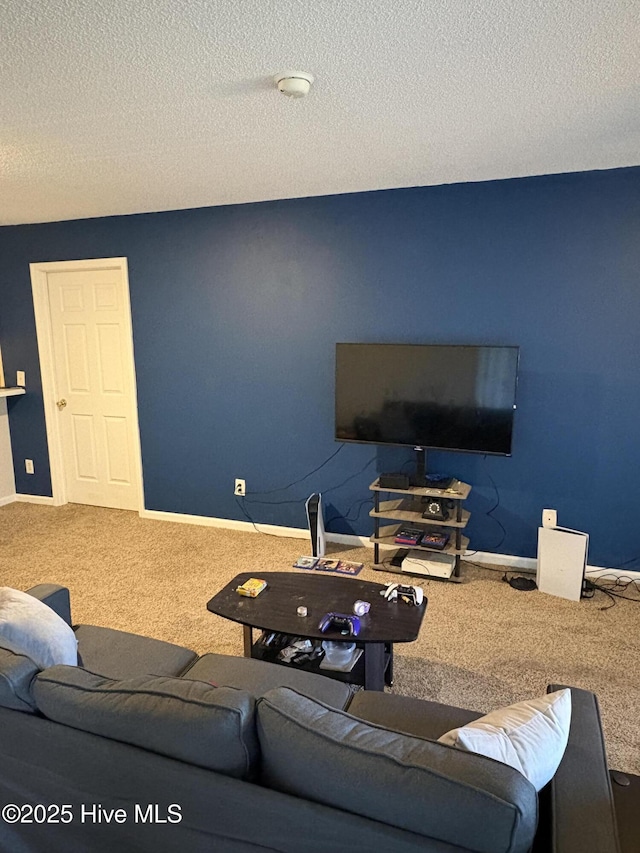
436, 397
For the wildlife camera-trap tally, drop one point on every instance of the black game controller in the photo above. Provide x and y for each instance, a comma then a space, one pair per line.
343, 622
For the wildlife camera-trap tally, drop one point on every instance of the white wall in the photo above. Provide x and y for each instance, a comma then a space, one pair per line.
7, 481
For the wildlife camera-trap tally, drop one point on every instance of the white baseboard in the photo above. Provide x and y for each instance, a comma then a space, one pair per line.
249, 527
34, 499
527, 565
522, 564
9, 499
593, 573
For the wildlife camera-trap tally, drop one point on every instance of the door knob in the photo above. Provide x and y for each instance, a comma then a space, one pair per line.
61, 403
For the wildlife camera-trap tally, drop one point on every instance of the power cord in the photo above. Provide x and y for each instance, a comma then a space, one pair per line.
302, 479
247, 499
346, 516
495, 507
516, 581
619, 585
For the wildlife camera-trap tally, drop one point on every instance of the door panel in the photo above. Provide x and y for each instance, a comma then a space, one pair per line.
90, 335
76, 359
117, 450
84, 447
110, 359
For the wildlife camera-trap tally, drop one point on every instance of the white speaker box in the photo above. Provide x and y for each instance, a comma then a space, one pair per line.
562, 560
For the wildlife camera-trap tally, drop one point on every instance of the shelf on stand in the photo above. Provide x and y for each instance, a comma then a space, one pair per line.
408, 509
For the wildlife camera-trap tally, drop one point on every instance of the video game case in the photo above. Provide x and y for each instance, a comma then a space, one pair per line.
325, 564
305, 563
435, 540
408, 535
347, 567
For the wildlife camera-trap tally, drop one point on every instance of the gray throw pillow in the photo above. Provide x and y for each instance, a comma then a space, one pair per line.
30, 627
212, 727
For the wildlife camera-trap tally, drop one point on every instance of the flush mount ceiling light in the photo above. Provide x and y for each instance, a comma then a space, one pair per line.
294, 84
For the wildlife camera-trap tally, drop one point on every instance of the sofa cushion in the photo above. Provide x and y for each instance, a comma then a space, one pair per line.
418, 717
188, 720
35, 630
16, 674
258, 677
118, 654
330, 757
530, 736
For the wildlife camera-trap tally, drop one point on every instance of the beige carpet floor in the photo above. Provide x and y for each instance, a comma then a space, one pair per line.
482, 645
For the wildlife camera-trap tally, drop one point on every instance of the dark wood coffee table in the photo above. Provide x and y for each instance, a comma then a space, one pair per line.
275, 609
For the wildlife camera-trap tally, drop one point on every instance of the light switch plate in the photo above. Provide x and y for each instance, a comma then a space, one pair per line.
20, 379
549, 518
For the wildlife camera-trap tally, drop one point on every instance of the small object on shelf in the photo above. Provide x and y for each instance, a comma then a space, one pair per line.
251, 588
340, 661
361, 608
302, 611
435, 481
298, 651
436, 510
394, 481
399, 556
408, 535
434, 539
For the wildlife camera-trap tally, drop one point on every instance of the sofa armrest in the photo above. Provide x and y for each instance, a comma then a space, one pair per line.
56, 597
582, 813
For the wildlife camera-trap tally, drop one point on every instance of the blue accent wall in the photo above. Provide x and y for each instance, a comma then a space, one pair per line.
236, 312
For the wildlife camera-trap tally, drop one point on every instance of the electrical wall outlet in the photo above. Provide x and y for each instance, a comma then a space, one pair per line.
28, 466
549, 518
240, 488
20, 379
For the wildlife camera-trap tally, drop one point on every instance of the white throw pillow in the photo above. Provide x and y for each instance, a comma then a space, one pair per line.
32, 628
530, 736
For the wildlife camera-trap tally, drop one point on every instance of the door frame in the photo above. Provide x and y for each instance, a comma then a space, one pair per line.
44, 334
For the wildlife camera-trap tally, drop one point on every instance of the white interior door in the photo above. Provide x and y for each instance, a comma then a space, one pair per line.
94, 386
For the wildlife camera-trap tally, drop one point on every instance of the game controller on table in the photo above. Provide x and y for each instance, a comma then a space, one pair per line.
411, 594
343, 622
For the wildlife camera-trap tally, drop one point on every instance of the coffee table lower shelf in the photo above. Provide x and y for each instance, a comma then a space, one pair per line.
354, 676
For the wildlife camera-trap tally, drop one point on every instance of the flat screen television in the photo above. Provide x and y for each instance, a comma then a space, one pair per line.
427, 396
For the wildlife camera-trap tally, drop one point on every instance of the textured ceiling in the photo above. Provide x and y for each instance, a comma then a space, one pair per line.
123, 106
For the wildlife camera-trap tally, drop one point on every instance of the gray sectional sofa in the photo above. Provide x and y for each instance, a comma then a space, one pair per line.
148, 747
